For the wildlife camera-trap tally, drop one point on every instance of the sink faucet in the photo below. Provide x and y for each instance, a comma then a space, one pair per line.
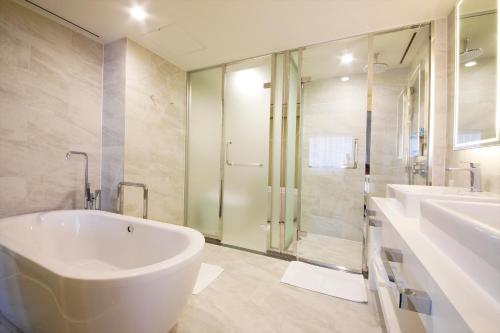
90, 199
475, 175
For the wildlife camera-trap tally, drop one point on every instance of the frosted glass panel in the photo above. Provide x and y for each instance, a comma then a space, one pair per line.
276, 152
246, 123
205, 131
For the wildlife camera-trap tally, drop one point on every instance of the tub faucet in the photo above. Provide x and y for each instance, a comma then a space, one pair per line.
475, 175
90, 199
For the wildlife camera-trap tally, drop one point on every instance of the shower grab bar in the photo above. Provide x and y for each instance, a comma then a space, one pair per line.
144, 195
355, 156
228, 162
409, 299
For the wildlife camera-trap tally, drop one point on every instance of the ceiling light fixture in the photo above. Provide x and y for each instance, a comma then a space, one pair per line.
138, 13
345, 78
347, 58
470, 64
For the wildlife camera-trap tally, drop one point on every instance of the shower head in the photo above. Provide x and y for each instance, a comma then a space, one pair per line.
469, 54
378, 67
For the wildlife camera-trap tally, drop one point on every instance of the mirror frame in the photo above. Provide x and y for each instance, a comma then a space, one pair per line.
456, 51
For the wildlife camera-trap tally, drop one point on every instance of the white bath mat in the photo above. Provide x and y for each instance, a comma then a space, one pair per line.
326, 281
208, 274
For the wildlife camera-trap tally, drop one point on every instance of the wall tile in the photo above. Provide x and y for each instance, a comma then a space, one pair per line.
50, 102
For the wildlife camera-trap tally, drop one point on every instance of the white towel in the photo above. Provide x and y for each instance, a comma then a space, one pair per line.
207, 274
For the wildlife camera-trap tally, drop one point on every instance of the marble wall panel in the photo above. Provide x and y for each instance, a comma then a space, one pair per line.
50, 102
113, 122
385, 165
154, 147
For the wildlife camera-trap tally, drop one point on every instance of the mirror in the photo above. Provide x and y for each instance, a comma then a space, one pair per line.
476, 110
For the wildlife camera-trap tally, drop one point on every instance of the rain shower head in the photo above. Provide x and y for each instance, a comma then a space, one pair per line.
469, 54
378, 67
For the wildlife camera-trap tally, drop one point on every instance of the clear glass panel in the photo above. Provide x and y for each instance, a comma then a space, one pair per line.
246, 127
205, 132
399, 127
333, 152
291, 192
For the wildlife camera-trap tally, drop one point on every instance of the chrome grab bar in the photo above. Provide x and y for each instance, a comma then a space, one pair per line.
145, 197
355, 156
239, 164
409, 299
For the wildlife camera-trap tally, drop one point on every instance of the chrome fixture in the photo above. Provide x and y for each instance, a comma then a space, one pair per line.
475, 175
228, 162
144, 195
409, 299
419, 167
354, 164
91, 200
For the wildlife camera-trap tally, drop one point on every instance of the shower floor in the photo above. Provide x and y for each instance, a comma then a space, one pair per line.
330, 250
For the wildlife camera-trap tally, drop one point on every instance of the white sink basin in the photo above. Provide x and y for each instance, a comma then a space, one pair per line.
410, 196
468, 233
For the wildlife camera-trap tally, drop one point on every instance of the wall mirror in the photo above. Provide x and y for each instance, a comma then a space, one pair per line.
476, 104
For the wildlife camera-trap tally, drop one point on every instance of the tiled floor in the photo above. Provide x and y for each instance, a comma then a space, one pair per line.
331, 250
248, 297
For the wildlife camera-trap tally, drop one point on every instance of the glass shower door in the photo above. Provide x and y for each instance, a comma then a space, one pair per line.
246, 136
333, 115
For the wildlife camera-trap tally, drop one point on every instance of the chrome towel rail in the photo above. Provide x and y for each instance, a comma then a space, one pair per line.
145, 197
355, 149
409, 299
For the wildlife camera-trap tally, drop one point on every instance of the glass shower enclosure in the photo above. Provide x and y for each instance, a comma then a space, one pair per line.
285, 150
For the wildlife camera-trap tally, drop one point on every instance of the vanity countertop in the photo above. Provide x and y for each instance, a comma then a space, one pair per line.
478, 309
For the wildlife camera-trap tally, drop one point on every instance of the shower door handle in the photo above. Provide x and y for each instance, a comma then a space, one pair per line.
229, 163
355, 149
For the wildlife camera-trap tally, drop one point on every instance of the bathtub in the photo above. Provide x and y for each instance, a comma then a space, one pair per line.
92, 271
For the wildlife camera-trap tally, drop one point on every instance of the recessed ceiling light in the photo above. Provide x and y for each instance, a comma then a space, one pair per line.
470, 64
347, 58
345, 78
138, 13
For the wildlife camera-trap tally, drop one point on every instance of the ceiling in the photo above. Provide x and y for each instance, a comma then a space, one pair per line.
200, 33
324, 60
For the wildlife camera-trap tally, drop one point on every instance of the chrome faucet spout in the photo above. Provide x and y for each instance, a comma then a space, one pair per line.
86, 188
474, 170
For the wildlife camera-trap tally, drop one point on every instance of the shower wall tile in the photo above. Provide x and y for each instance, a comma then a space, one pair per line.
439, 49
154, 147
385, 166
50, 102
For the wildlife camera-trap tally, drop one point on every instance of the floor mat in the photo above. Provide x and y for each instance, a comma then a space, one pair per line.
208, 274
326, 281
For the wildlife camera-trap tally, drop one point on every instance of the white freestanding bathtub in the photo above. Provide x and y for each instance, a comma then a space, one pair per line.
91, 271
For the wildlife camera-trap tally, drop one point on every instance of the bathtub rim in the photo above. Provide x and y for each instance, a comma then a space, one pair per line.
195, 245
